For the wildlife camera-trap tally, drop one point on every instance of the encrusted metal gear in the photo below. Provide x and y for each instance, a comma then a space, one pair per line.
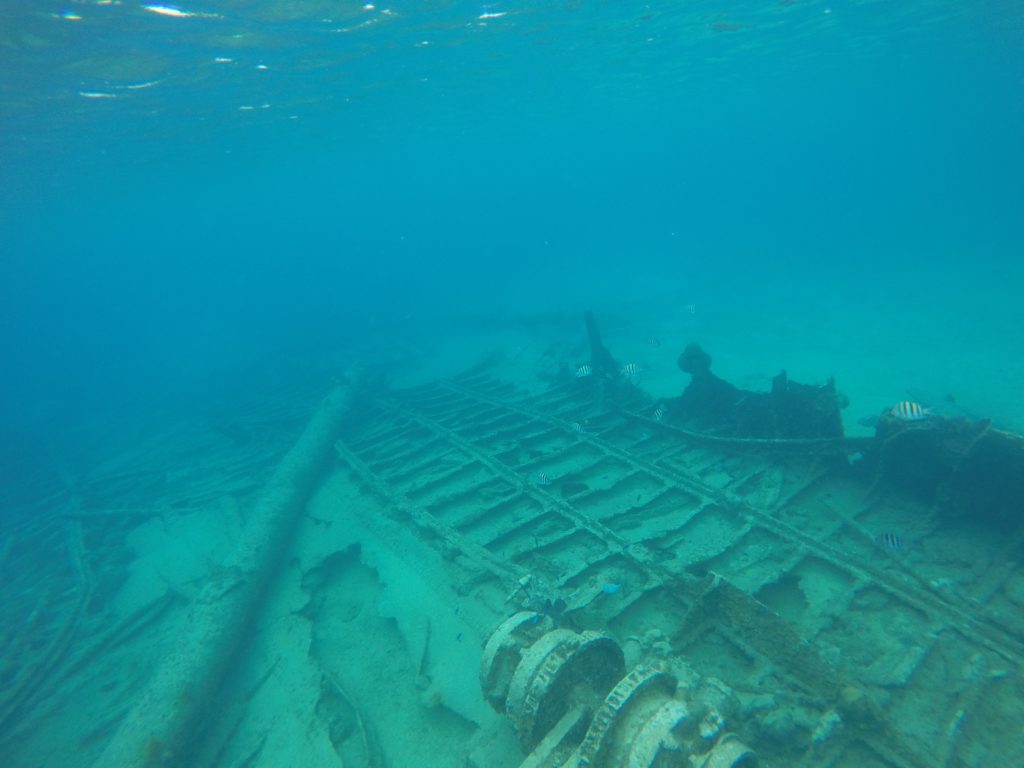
625, 715
504, 650
561, 670
573, 705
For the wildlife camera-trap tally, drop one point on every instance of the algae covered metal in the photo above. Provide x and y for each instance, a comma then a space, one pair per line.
755, 566
558, 579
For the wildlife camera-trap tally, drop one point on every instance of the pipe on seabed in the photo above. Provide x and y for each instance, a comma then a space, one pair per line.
161, 726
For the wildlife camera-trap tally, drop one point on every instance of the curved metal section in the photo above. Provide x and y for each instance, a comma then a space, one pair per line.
562, 669
612, 732
729, 752
656, 743
503, 653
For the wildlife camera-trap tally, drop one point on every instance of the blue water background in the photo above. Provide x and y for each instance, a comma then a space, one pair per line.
563, 154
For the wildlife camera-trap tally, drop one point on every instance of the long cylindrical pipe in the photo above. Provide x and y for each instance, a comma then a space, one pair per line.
160, 727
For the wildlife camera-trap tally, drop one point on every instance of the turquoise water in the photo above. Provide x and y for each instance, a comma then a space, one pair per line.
428, 159
204, 203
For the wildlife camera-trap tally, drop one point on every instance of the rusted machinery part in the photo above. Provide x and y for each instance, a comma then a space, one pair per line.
642, 724
164, 719
655, 743
729, 752
561, 670
965, 467
504, 650
626, 713
560, 740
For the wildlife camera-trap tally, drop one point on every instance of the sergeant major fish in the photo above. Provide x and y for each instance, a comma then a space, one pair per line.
909, 411
630, 369
891, 541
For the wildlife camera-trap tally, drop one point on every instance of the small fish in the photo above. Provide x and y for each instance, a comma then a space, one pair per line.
909, 411
553, 608
659, 413
891, 541
611, 588
541, 478
868, 421
579, 428
630, 369
654, 341
583, 371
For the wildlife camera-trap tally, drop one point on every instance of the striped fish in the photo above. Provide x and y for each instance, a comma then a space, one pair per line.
909, 411
659, 413
891, 541
630, 369
579, 429
583, 371
541, 478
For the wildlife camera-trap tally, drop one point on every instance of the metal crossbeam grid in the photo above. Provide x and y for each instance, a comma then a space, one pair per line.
574, 487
